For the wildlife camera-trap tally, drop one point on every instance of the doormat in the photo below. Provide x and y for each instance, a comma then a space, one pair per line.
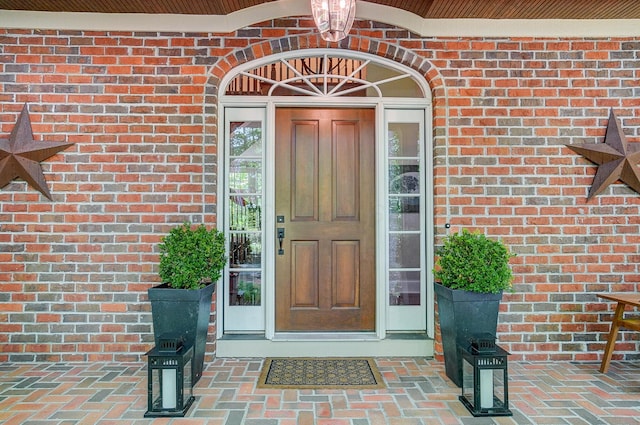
320, 373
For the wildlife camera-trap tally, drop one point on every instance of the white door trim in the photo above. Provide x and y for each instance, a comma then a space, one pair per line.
350, 344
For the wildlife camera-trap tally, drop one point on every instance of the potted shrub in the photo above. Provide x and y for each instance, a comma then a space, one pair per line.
471, 272
191, 261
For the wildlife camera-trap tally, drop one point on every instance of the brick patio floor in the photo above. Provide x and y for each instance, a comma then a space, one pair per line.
417, 392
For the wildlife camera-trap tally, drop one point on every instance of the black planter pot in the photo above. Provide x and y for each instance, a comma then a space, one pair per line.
463, 314
183, 313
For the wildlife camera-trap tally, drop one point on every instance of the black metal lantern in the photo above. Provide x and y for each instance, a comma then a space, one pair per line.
485, 389
170, 391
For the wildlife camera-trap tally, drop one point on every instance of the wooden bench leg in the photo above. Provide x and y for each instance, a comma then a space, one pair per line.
613, 334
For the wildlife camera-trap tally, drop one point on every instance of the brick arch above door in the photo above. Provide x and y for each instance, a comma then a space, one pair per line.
265, 48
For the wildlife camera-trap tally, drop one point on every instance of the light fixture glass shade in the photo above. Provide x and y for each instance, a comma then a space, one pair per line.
333, 18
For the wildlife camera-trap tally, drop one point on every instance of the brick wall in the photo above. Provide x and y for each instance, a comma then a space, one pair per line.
140, 109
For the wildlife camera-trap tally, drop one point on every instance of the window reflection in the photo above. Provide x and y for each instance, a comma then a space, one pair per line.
245, 213
245, 175
404, 139
404, 251
404, 288
404, 213
245, 249
246, 138
245, 288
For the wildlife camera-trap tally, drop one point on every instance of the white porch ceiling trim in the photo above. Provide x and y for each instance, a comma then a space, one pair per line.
286, 8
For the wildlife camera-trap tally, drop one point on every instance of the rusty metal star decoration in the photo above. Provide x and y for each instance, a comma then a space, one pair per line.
617, 160
20, 155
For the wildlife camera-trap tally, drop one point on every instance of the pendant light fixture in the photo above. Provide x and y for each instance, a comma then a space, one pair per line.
333, 18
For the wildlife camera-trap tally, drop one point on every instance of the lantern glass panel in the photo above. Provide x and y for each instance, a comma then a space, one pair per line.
187, 386
468, 389
498, 388
156, 394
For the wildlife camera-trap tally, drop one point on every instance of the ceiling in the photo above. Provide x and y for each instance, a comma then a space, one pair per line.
428, 9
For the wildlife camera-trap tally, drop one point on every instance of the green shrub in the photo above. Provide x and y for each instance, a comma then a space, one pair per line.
191, 256
473, 262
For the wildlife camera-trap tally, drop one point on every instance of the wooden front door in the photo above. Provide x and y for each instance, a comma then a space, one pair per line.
325, 265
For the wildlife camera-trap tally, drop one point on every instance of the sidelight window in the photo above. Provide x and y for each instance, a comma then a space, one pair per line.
245, 205
406, 219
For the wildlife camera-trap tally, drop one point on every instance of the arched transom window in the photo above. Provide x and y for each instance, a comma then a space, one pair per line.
326, 75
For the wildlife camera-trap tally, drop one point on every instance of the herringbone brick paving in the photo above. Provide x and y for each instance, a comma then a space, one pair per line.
417, 392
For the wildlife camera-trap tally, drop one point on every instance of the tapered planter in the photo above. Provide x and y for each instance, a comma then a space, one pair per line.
183, 313
463, 314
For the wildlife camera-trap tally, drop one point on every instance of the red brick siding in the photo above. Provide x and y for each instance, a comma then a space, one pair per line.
141, 110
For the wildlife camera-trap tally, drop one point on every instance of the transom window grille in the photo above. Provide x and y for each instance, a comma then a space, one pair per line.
323, 75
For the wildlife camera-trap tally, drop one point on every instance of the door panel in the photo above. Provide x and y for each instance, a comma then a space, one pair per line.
304, 271
325, 277
346, 179
346, 274
304, 171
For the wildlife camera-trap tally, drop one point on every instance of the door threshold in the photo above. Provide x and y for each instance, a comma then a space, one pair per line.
308, 345
325, 336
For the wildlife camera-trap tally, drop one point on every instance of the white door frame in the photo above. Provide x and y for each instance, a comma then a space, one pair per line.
273, 343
